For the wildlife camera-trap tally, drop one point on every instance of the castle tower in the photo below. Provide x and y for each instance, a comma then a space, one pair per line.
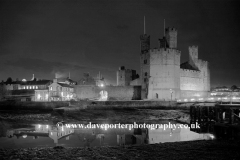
145, 43
193, 56
164, 68
145, 40
202, 66
171, 37
125, 76
163, 41
144, 62
193, 52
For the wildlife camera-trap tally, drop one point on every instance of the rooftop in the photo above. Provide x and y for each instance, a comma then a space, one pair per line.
35, 82
186, 65
65, 85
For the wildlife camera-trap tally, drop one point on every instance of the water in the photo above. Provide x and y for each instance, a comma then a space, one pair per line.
46, 135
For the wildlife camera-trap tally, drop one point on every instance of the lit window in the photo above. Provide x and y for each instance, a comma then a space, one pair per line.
33, 87
30, 87
27, 87
50, 88
23, 87
36, 87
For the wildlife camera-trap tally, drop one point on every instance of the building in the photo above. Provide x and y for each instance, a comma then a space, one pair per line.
57, 91
66, 81
27, 85
23, 90
35, 85
164, 77
225, 94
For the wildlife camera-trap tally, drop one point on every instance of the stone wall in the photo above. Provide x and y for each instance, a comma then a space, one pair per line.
164, 81
114, 92
136, 82
87, 91
193, 94
191, 80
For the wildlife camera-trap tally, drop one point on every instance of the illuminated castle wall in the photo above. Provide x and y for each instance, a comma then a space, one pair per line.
125, 76
164, 77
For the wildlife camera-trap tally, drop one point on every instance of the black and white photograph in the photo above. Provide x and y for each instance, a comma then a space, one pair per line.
119, 79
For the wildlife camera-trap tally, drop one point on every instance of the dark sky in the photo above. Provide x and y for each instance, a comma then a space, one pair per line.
44, 37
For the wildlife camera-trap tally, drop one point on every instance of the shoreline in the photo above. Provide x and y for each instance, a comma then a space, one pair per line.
215, 149
120, 115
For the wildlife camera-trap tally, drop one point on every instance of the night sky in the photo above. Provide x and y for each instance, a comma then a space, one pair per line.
44, 37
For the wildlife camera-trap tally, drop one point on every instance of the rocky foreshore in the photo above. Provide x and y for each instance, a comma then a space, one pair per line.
178, 150
138, 115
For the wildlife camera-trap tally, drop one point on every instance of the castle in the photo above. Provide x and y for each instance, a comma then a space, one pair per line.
163, 77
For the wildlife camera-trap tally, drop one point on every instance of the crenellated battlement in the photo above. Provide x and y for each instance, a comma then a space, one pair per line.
173, 50
168, 50
202, 62
144, 36
189, 70
171, 29
156, 50
190, 73
193, 47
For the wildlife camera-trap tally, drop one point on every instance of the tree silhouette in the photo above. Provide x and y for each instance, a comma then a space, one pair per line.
9, 80
234, 87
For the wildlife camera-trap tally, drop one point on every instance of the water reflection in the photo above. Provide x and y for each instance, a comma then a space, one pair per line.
39, 135
217, 131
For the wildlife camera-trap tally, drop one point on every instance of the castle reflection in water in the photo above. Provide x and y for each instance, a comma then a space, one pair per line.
51, 135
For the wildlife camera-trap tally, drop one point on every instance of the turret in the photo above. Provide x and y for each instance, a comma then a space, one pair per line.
145, 41
171, 37
193, 52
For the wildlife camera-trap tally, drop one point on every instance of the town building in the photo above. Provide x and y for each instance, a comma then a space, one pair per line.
225, 94
56, 91
66, 81
23, 90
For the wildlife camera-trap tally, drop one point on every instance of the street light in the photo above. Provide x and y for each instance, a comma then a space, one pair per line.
171, 91
231, 99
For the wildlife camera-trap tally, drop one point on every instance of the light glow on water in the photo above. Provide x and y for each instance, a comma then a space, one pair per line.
51, 135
